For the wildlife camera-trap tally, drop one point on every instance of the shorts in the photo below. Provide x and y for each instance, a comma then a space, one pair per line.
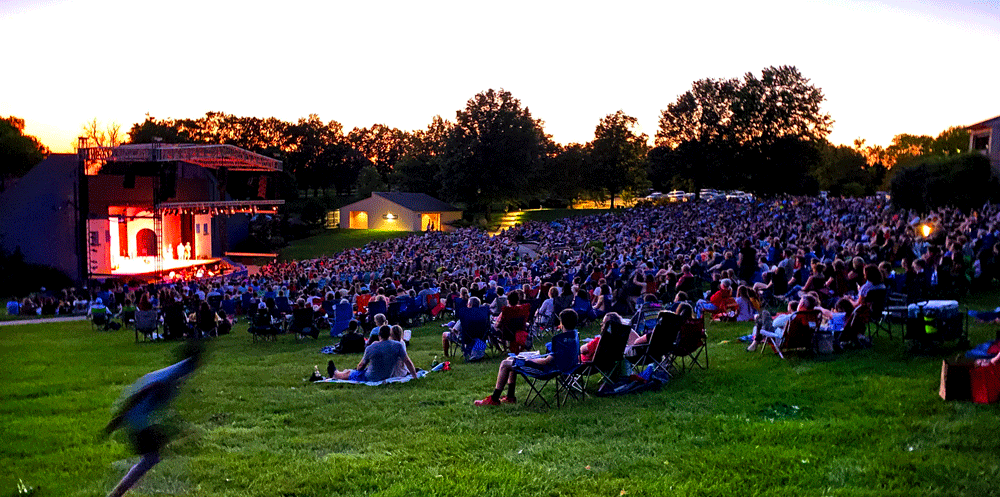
149, 439
358, 375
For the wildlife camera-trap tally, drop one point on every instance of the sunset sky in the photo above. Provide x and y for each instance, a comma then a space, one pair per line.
886, 67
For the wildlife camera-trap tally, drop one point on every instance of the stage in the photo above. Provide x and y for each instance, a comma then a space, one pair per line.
146, 266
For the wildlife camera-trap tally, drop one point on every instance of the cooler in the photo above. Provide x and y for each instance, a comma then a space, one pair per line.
935, 320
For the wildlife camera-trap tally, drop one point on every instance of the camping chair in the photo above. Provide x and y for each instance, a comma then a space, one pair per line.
409, 312
609, 354
566, 352
283, 306
798, 334
174, 321
392, 312
340, 318
361, 303
689, 346
895, 311
261, 327
214, 302
434, 305
229, 306
475, 326
876, 301
542, 326
645, 318
147, 323
127, 316
302, 323
657, 350
375, 307
513, 321
100, 320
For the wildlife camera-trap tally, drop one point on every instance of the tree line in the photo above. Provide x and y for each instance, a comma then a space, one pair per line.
762, 133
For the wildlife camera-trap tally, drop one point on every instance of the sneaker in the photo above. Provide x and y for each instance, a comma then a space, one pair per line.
488, 401
507, 400
753, 346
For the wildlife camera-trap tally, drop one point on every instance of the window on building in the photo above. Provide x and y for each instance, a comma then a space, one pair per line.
981, 142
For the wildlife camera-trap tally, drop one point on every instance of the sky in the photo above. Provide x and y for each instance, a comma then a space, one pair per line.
885, 67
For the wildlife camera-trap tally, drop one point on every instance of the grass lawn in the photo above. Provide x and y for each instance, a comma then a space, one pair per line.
333, 241
859, 423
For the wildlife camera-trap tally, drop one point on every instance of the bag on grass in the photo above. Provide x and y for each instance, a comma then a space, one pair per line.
956, 383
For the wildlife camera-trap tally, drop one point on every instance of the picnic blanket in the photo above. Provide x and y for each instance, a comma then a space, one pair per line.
396, 379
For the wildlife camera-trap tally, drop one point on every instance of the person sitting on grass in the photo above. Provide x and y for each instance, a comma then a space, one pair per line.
506, 374
380, 320
352, 342
379, 361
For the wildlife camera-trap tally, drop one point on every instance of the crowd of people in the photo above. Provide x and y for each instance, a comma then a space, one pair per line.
728, 259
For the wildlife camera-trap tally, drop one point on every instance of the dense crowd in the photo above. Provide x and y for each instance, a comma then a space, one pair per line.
726, 258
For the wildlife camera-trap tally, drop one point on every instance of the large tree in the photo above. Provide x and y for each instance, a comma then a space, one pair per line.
18, 152
492, 152
417, 170
619, 155
382, 145
743, 133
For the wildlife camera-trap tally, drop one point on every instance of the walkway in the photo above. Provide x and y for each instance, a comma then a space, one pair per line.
42, 320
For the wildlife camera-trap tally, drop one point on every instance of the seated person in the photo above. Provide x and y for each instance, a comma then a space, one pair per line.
13, 307
512, 323
380, 320
507, 376
98, 310
396, 334
454, 333
352, 342
635, 340
720, 301
806, 303
379, 361
747, 304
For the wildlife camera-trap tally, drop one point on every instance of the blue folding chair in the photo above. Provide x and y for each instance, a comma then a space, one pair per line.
342, 315
566, 352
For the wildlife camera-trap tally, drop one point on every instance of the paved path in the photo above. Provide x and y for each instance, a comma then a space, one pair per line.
43, 320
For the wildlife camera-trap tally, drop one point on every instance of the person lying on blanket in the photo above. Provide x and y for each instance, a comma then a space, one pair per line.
379, 361
506, 375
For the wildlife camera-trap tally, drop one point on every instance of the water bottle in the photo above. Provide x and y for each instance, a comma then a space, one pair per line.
435, 363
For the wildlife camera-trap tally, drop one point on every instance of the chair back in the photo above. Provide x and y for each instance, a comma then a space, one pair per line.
376, 307
392, 312
801, 330
362, 302
513, 319
690, 337
229, 305
329, 307
302, 318
146, 320
664, 333
876, 299
475, 322
611, 349
566, 349
281, 303
646, 318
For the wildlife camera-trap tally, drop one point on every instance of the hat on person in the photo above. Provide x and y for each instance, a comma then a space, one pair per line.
262, 306
98, 301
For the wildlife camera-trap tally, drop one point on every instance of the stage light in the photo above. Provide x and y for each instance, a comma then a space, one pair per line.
926, 230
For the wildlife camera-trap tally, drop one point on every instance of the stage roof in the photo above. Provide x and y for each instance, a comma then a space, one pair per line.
209, 156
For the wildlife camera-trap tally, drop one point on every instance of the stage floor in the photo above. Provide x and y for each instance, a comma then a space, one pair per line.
147, 265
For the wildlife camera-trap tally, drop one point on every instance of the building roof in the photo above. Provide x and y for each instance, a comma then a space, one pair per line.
417, 202
987, 124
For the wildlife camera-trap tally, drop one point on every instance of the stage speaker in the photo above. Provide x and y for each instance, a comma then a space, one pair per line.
129, 180
168, 181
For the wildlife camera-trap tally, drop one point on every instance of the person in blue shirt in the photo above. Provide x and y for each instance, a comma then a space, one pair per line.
13, 307
143, 405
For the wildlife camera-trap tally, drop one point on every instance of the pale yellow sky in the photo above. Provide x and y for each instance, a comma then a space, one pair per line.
886, 67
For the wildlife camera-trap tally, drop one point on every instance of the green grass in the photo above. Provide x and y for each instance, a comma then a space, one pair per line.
859, 423
333, 241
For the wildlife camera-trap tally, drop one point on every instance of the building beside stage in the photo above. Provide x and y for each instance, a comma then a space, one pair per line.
133, 211
984, 137
399, 211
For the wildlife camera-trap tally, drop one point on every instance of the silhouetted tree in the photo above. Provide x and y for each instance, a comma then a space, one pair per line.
618, 153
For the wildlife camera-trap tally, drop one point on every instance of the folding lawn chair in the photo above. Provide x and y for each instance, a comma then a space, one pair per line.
608, 356
876, 301
475, 326
657, 350
147, 323
798, 335
646, 317
689, 346
566, 358
302, 323
340, 318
